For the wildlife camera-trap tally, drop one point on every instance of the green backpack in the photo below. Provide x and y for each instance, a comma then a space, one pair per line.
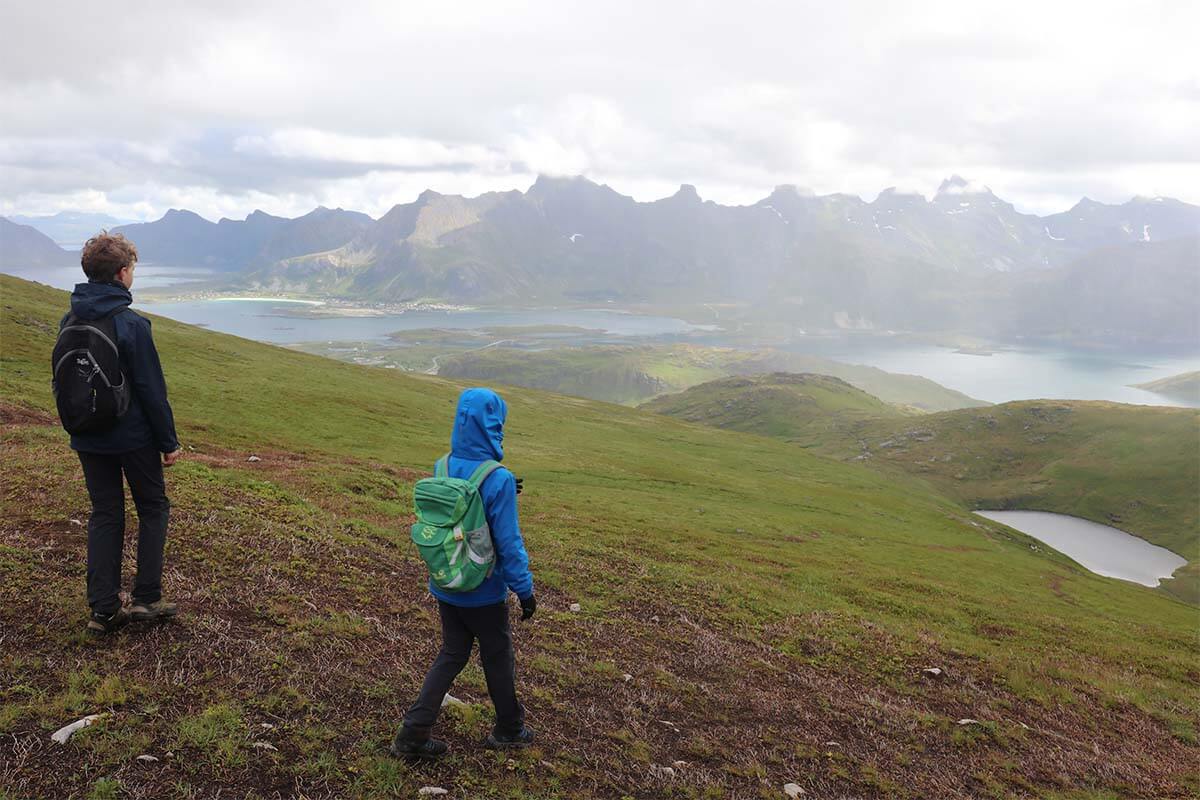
451, 532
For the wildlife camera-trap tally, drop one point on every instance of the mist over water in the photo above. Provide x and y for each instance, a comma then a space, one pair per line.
1024, 374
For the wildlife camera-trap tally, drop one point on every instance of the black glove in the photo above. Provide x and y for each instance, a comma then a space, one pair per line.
520, 484
528, 606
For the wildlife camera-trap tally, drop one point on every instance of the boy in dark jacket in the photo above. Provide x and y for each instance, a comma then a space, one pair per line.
481, 613
132, 446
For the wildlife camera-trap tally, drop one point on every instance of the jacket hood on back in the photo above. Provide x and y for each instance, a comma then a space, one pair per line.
479, 426
95, 300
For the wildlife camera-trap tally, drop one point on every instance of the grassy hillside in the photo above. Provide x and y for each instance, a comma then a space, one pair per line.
634, 374
778, 404
1134, 467
756, 611
1185, 386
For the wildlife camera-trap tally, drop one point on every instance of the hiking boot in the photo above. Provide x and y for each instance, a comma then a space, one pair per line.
148, 612
500, 741
407, 748
103, 624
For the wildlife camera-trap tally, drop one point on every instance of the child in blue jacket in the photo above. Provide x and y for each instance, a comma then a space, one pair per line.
481, 613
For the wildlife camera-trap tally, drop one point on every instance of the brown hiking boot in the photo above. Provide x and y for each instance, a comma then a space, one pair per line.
104, 624
148, 612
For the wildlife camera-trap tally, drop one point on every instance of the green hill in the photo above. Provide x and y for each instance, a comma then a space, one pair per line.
1185, 386
779, 404
754, 610
633, 374
1134, 467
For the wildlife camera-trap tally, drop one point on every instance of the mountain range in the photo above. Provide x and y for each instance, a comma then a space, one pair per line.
965, 260
24, 247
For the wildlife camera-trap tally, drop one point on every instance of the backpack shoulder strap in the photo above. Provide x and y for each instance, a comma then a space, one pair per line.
442, 468
481, 473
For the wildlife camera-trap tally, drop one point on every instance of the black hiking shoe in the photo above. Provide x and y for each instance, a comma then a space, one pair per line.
104, 624
149, 612
499, 741
407, 748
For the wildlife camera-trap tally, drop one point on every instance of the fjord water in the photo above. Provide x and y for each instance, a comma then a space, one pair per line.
282, 321
1032, 373
1101, 549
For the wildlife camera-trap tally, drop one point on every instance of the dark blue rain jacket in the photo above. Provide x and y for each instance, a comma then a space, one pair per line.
479, 436
149, 420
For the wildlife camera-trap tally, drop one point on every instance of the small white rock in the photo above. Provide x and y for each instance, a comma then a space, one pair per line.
264, 746
67, 731
933, 672
793, 790
147, 758
451, 700
626, 677
252, 459
432, 791
266, 726
968, 721
576, 607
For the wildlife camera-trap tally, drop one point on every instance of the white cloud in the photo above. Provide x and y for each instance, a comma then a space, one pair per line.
233, 106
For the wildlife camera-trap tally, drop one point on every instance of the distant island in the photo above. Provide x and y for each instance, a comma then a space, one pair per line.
1185, 386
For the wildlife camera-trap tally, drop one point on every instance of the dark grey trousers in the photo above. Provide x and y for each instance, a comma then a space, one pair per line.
106, 527
460, 628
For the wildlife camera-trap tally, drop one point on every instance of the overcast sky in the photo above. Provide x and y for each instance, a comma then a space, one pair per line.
224, 107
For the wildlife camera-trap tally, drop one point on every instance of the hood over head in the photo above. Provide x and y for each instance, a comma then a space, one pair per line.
96, 300
479, 426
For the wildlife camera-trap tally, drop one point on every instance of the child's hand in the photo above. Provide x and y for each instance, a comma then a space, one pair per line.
528, 607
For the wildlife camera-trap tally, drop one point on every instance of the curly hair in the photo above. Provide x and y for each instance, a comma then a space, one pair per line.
106, 254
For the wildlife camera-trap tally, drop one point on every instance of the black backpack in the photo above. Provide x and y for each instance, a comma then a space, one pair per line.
89, 386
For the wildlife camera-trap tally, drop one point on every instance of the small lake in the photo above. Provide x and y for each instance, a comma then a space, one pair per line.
1101, 549
289, 321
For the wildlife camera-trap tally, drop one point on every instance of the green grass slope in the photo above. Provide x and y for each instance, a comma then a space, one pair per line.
779, 404
753, 610
1133, 467
1185, 386
634, 374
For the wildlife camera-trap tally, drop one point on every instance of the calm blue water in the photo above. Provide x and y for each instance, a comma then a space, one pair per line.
287, 322
146, 276
1026, 374
1014, 374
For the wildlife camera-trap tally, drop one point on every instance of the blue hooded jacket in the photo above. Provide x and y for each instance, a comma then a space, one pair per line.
479, 436
149, 420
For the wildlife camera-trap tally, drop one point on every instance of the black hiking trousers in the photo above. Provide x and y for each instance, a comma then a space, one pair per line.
106, 527
460, 628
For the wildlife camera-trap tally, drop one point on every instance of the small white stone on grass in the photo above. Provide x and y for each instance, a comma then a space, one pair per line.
968, 721
264, 746
626, 677
933, 672
432, 791
67, 731
252, 459
576, 607
147, 758
793, 790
